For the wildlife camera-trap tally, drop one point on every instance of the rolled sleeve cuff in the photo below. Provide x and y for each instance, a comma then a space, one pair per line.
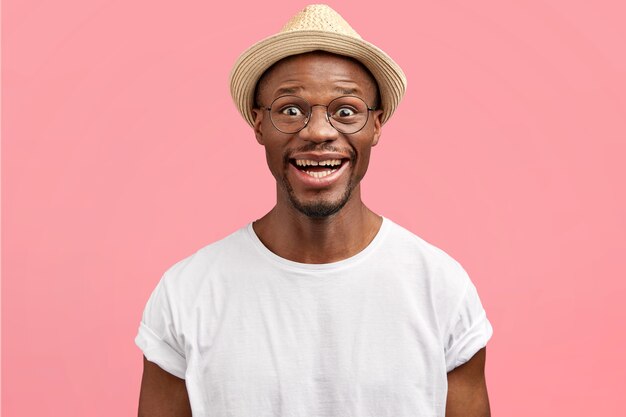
159, 352
471, 342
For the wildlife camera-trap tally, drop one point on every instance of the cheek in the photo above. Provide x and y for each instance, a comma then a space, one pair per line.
364, 160
274, 161
362, 145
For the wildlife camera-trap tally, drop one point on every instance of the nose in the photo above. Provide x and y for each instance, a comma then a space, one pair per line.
319, 128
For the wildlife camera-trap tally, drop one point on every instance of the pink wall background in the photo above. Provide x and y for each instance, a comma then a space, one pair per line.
122, 154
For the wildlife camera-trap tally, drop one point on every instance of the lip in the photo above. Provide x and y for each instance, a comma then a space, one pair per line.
312, 182
312, 156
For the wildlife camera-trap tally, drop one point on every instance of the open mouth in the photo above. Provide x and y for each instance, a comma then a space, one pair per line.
318, 169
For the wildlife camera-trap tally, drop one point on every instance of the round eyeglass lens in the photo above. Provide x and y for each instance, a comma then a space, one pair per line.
290, 114
348, 114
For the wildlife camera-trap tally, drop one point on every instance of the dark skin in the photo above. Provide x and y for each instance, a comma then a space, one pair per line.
162, 394
467, 389
319, 78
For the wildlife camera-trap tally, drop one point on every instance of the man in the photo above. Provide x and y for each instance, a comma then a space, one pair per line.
321, 307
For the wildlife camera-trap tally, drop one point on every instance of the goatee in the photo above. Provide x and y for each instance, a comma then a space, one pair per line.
318, 209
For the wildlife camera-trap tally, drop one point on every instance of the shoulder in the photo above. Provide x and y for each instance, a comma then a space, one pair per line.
450, 294
190, 273
443, 271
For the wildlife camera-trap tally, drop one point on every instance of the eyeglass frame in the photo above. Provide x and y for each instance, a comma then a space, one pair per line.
328, 116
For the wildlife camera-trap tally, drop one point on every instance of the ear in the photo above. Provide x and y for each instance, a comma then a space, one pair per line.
258, 119
378, 115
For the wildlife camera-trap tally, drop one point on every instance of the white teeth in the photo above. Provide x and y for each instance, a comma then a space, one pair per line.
321, 174
308, 162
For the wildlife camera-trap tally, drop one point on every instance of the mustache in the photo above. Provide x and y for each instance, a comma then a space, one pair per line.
314, 147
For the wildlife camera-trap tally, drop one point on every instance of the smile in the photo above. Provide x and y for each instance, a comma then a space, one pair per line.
317, 169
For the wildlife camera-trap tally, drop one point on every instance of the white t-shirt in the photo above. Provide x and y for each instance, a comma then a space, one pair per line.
254, 334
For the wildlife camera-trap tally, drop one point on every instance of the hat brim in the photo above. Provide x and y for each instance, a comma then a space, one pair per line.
262, 55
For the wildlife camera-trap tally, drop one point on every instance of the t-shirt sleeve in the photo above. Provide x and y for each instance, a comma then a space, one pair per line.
159, 336
468, 331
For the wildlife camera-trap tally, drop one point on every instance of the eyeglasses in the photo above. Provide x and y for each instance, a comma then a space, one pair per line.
291, 114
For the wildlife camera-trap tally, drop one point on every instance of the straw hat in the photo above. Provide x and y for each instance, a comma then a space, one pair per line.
316, 27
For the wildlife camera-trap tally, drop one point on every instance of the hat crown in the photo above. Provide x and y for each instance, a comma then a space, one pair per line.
320, 17
316, 28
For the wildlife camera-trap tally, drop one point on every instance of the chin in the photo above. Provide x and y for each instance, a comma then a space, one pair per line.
318, 209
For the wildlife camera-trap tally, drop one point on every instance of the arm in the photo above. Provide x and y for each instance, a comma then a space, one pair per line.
162, 394
467, 389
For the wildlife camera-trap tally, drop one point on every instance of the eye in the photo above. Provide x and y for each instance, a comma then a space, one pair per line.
291, 111
343, 112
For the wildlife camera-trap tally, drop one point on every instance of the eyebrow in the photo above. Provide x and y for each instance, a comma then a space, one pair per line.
293, 90
346, 91
287, 90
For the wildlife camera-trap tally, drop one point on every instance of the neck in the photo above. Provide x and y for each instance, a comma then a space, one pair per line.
299, 238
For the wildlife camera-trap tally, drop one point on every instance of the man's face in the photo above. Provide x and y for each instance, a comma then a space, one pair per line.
305, 163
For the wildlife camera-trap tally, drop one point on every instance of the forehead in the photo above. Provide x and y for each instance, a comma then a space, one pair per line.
318, 71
